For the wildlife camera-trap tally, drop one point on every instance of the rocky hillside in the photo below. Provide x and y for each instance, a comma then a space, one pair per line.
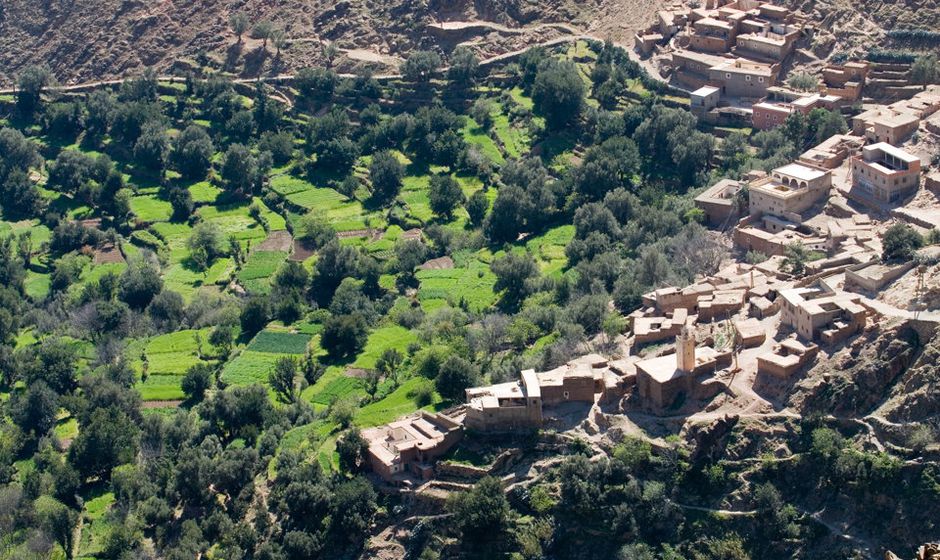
85, 40
852, 27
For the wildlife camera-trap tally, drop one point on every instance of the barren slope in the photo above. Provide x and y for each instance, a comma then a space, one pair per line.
85, 40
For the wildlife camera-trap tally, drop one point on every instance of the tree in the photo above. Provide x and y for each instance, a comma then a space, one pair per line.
139, 284
280, 41
445, 195
900, 242
386, 173
35, 410
192, 152
410, 254
58, 521
314, 231
152, 147
166, 310
30, 84
464, 67
100, 108
255, 315
344, 335
925, 70
239, 23
242, 172
197, 381
795, 257
330, 51
352, 449
107, 440
317, 84
456, 375
476, 207
263, 30
825, 124
389, 362
513, 272
283, 379
222, 338
803, 82
558, 93
206, 244
54, 363
420, 66
482, 512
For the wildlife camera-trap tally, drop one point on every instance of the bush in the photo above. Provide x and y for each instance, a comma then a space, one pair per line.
344, 335
558, 93
900, 242
197, 381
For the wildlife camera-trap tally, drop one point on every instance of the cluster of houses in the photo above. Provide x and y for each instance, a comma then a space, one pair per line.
687, 344
729, 54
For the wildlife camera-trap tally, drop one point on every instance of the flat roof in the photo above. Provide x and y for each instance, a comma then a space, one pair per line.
712, 22
801, 172
772, 106
530, 382
892, 151
705, 91
743, 66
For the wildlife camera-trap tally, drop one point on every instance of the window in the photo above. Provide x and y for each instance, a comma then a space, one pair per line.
566, 394
727, 75
748, 78
760, 79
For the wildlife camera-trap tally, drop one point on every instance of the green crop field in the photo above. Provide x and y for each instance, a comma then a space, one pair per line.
337, 388
256, 274
274, 342
249, 367
398, 403
472, 283
161, 388
204, 192
150, 208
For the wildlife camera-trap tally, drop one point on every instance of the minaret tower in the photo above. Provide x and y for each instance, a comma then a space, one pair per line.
685, 350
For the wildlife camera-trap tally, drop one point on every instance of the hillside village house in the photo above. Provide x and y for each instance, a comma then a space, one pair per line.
771, 113
821, 313
789, 190
743, 78
408, 447
519, 405
662, 380
720, 202
884, 173
832, 152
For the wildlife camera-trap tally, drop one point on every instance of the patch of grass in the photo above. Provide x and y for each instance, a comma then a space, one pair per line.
398, 403
174, 353
150, 208
249, 368
204, 192
161, 388
279, 342
256, 274
66, 429
382, 339
514, 140
473, 283
474, 134
37, 285
337, 388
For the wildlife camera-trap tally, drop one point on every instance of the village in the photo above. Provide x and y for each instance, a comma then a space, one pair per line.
733, 342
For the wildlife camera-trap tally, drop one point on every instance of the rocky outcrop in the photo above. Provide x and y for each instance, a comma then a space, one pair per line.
856, 380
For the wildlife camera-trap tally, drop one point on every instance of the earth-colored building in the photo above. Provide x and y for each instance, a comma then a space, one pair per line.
408, 447
885, 173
